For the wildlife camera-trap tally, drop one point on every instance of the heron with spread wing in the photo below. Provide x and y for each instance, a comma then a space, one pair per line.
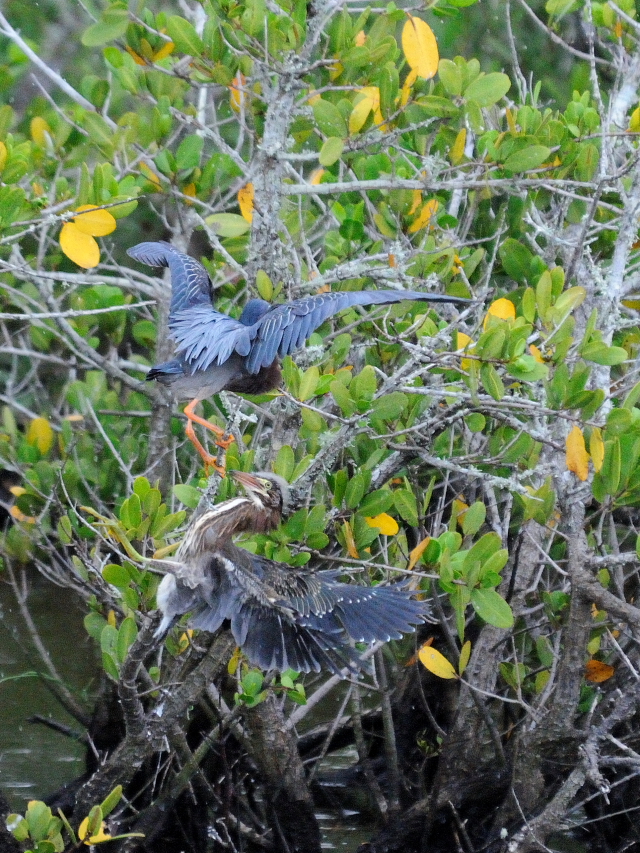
281, 617
215, 352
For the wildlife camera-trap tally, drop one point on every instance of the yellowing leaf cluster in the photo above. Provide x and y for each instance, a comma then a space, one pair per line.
77, 238
577, 456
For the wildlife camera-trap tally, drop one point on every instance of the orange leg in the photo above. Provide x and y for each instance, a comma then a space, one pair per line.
208, 459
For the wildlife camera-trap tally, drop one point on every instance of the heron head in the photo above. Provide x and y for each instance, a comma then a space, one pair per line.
266, 490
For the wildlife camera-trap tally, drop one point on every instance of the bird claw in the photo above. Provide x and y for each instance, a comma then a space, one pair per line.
225, 443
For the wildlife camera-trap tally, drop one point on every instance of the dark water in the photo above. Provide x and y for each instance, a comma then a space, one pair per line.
35, 760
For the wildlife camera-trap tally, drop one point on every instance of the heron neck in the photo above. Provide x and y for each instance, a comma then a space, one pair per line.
217, 525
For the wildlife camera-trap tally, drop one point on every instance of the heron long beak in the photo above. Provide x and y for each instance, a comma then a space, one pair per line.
248, 481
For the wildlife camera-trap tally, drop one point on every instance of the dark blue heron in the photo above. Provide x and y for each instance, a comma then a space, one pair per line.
216, 353
281, 617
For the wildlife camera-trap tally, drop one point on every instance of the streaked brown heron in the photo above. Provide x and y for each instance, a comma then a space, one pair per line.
215, 352
281, 617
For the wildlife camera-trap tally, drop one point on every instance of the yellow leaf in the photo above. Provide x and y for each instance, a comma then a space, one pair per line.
502, 308
462, 342
456, 152
245, 200
161, 553
237, 98
387, 525
80, 248
391, 258
313, 98
94, 221
511, 122
420, 47
166, 50
16, 491
190, 190
367, 99
316, 176
416, 201
234, 661
39, 131
184, 641
634, 121
111, 618
336, 69
577, 458
139, 60
535, 352
458, 510
101, 835
597, 671
417, 552
596, 448
428, 209
150, 175
618, 29
18, 515
465, 654
436, 662
3, 155
40, 434
352, 551
412, 76
360, 38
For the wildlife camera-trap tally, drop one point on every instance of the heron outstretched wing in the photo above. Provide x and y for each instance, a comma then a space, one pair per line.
190, 282
204, 336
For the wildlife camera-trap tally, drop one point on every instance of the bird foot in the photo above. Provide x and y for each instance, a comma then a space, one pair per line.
224, 443
211, 465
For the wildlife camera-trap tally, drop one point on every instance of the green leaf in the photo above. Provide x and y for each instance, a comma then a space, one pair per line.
528, 369
184, 36
111, 801
189, 152
600, 353
331, 151
516, 260
228, 224
450, 76
113, 25
488, 89
127, 633
355, 491
527, 158
491, 381
264, 286
131, 512
285, 462
187, 495
390, 406
474, 518
491, 607
93, 624
406, 505
376, 502
116, 575
309, 383
329, 119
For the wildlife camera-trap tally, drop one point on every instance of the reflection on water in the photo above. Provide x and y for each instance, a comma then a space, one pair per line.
35, 760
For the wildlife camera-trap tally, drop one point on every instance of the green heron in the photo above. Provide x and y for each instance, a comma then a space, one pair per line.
281, 617
218, 353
